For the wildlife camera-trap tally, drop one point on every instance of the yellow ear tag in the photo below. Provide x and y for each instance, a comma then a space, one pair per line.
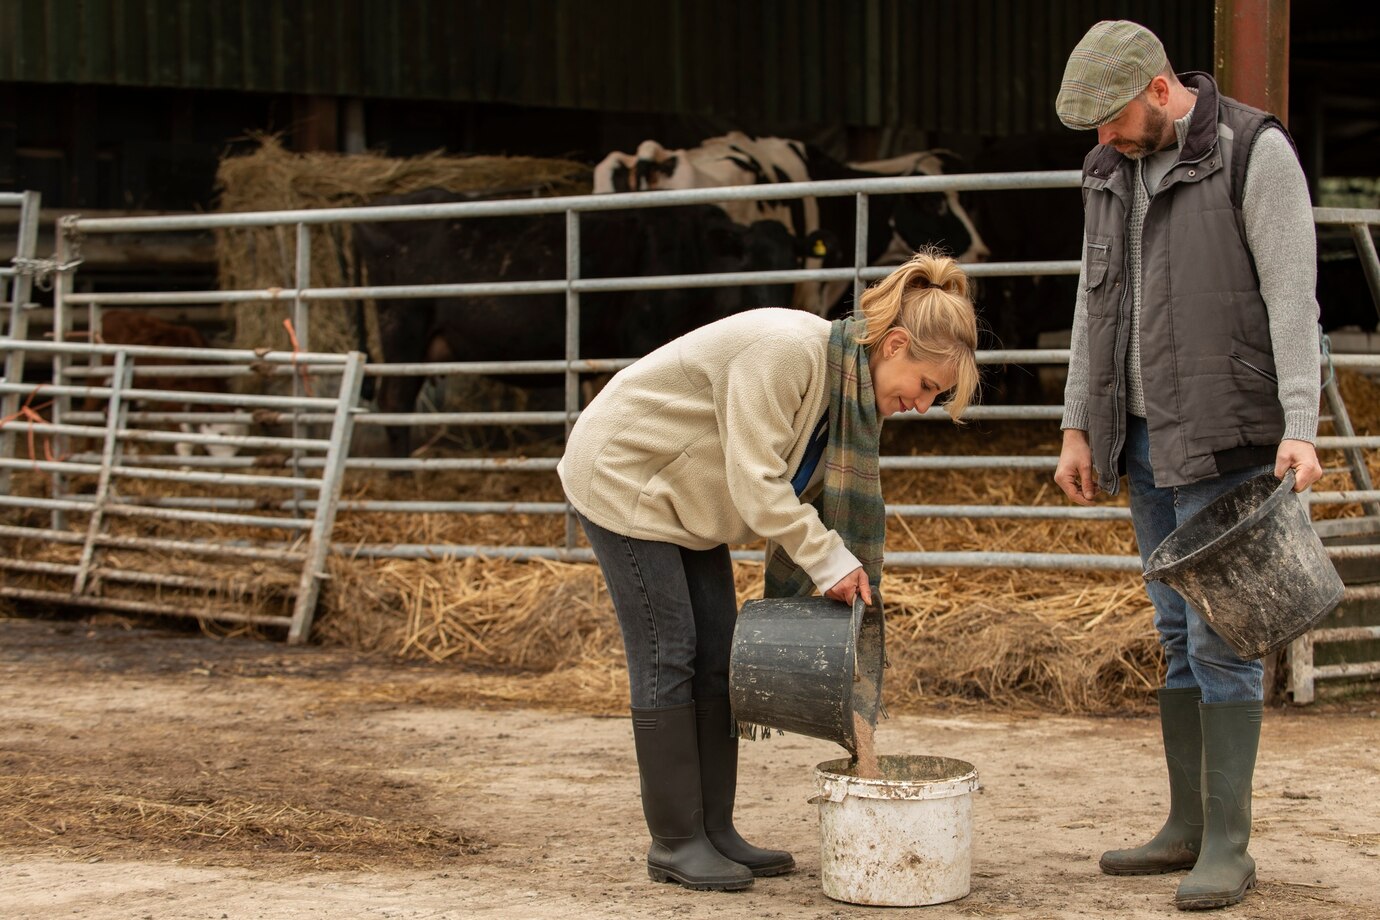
820, 249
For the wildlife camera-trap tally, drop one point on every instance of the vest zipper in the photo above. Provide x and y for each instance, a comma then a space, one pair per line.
1259, 370
1119, 373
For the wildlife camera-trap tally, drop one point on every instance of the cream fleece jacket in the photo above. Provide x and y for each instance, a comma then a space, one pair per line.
695, 444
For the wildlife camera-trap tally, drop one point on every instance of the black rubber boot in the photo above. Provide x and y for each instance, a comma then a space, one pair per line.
668, 761
719, 787
1225, 871
1176, 845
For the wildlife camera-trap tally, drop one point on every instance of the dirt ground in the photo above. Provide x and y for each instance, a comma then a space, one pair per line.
153, 775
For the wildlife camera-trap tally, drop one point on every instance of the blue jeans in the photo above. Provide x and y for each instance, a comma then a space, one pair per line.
1194, 654
676, 608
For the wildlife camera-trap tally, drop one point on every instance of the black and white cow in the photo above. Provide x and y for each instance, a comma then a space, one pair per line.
657, 241
898, 224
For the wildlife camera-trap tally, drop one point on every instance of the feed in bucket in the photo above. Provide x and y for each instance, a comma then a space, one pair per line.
1252, 565
865, 757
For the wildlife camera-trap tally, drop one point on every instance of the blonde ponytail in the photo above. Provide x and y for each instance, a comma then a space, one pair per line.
928, 298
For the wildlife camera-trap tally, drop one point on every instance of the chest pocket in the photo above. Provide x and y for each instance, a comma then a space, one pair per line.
1097, 261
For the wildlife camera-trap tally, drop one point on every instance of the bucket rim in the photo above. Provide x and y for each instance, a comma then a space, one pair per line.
836, 785
1226, 538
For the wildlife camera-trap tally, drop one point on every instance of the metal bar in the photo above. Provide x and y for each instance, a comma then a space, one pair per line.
192, 418
301, 322
124, 575
1353, 552
1023, 413
272, 553
1344, 498
1023, 512
128, 606
1361, 593
572, 345
1346, 215
556, 286
859, 251
62, 287
26, 246
891, 185
444, 551
1335, 527
198, 371
233, 355
109, 456
908, 560
81, 505
612, 365
467, 464
1347, 634
229, 479
1075, 561
1349, 669
173, 437
210, 399
159, 513
969, 463
300, 317
421, 419
333, 474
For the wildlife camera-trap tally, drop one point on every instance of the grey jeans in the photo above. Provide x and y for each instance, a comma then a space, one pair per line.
676, 608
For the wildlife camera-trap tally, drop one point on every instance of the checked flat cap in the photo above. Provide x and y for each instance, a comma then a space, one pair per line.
1112, 65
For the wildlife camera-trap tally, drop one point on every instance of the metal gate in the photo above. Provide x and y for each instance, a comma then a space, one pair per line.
103, 540
303, 295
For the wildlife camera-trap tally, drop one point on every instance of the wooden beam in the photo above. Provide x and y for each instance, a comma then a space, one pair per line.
1251, 53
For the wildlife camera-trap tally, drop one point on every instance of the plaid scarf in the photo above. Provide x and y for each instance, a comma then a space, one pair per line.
851, 502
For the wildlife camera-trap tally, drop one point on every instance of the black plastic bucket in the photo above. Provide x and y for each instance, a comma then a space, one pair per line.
1252, 565
806, 664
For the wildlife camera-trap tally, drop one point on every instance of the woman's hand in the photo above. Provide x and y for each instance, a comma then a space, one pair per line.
850, 586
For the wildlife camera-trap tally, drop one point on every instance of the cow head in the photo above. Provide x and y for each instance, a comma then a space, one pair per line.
934, 220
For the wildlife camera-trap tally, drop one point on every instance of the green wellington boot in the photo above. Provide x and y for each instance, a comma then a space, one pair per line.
669, 764
1176, 845
719, 787
1225, 871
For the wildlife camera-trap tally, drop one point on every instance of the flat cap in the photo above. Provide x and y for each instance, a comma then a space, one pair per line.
1112, 65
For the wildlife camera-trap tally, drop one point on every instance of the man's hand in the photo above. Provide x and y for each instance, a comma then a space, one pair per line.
851, 585
1302, 458
1074, 473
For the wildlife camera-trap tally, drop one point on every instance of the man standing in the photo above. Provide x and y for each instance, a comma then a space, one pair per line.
1193, 367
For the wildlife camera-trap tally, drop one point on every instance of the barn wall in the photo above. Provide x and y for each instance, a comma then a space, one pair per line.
966, 66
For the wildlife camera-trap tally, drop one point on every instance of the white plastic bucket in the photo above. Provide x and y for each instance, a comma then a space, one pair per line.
902, 840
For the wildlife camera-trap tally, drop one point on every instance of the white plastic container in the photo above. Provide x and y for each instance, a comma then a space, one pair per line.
903, 840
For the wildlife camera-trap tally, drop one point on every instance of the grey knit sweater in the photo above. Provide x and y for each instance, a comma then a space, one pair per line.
1278, 216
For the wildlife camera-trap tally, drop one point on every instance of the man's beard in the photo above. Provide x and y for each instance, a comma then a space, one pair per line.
1150, 141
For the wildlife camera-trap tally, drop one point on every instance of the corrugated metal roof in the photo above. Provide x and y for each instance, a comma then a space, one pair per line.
971, 66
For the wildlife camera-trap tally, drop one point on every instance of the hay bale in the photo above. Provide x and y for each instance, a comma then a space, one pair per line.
271, 178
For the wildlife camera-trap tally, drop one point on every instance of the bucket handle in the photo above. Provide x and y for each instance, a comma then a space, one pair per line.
836, 793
